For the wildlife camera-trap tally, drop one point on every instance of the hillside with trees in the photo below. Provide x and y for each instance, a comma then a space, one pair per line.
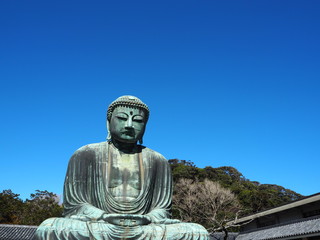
208, 196
221, 194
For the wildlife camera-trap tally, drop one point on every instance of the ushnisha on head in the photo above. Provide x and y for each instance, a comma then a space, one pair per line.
127, 117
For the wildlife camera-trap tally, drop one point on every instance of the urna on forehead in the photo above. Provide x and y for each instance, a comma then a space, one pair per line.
128, 101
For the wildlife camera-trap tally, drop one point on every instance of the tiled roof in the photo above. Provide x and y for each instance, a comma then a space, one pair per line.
220, 236
298, 228
307, 200
16, 232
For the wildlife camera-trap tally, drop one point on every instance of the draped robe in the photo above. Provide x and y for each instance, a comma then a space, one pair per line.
86, 199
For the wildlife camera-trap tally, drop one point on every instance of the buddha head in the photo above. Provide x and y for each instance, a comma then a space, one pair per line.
127, 117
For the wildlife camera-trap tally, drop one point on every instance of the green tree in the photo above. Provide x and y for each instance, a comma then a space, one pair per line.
42, 205
252, 195
183, 169
11, 207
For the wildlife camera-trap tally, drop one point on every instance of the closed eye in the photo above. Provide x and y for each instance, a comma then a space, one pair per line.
122, 118
138, 120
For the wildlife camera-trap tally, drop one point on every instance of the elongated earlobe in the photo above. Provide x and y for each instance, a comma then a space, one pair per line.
109, 135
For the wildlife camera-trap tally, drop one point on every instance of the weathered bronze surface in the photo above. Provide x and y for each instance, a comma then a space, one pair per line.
119, 189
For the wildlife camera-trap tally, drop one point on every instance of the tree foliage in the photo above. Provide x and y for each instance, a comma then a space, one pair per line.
42, 205
252, 195
11, 207
183, 169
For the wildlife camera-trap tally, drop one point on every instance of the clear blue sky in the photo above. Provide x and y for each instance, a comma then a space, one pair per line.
229, 83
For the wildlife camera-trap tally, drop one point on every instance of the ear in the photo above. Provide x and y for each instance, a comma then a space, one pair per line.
108, 131
140, 141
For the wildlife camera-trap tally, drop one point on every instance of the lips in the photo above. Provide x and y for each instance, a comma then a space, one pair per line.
129, 133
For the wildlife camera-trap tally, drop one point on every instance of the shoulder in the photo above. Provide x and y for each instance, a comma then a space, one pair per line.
92, 147
154, 154
89, 151
158, 162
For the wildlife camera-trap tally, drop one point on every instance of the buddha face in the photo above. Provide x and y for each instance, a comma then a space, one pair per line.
127, 124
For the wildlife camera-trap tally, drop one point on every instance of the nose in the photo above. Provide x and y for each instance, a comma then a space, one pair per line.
129, 123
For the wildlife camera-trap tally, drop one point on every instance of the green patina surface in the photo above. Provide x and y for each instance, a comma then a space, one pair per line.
119, 189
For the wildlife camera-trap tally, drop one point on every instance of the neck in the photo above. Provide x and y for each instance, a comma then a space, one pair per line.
124, 147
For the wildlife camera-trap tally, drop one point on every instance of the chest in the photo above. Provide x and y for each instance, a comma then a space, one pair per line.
125, 176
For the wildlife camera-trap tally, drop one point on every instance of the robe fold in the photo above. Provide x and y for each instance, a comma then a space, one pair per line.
87, 199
